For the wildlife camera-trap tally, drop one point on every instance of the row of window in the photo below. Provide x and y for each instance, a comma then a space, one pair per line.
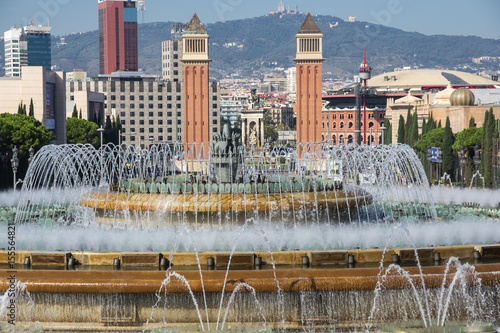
351, 116
150, 114
141, 98
349, 125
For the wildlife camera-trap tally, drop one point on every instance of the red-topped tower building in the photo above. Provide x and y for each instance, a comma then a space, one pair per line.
309, 60
196, 83
118, 41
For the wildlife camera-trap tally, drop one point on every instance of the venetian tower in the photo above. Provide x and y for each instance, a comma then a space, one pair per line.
309, 62
196, 84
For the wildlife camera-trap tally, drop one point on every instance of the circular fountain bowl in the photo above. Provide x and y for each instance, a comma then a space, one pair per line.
226, 202
449, 327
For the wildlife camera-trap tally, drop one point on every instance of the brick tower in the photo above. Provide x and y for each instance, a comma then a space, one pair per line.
309, 61
196, 84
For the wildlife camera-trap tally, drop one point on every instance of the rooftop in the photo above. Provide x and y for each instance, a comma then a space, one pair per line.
309, 26
195, 27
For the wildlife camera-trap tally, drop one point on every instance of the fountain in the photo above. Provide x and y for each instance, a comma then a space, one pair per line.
164, 240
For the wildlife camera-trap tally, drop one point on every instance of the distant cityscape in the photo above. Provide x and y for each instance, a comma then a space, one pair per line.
186, 104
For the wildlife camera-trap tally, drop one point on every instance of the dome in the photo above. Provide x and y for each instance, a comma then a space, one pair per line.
443, 97
462, 97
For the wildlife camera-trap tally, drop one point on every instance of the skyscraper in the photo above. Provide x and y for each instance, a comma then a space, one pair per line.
16, 52
118, 42
309, 61
27, 46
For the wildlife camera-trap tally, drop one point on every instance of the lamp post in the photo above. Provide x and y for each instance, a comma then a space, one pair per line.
462, 163
477, 161
15, 164
429, 163
101, 131
383, 128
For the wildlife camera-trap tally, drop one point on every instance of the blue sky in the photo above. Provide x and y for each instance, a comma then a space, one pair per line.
449, 17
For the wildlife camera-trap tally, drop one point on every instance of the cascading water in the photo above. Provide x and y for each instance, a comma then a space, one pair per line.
222, 197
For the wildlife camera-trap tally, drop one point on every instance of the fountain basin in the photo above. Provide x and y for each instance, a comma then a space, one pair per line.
224, 202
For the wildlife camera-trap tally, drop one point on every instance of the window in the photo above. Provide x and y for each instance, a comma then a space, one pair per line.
132, 98
150, 98
122, 114
160, 122
350, 116
169, 130
169, 122
113, 105
123, 122
122, 106
160, 98
176, 64
160, 114
160, 138
179, 106
122, 98
160, 130
141, 106
132, 114
151, 114
381, 116
214, 114
214, 106
141, 130
178, 114
151, 122
132, 130
176, 72
341, 124
132, 122
113, 97
132, 106
141, 114
214, 121
178, 98
214, 98
169, 138
350, 124
160, 106
214, 130
178, 122
141, 98
72, 98
169, 106
141, 122
132, 138
370, 124
342, 116
169, 98
169, 114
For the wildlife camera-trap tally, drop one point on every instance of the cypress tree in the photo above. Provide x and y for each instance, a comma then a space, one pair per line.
408, 124
80, 113
486, 166
424, 127
472, 122
448, 141
21, 109
401, 130
413, 136
32, 108
75, 112
388, 132
439, 124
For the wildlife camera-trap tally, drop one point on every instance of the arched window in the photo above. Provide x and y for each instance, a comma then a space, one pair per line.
370, 124
341, 124
334, 125
349, 139
350, 124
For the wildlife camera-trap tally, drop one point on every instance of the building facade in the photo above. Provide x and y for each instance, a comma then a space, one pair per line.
148, 107
48, 91
118, 40
309, 60
171, 64
27, 46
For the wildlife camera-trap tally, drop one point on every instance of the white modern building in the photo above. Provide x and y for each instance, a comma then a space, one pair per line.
16, 52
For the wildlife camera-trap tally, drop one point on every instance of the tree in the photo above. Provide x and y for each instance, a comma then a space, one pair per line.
75, 112
401, 130
80, 117
487, 156
472, 122
469, 138
448, 141
408, 124
270, 132
439, 124
432, 138
21, 131
21, 109
82, 131
387, 132
32, 108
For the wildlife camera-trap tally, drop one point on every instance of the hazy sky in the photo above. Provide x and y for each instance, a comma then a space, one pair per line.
450, 17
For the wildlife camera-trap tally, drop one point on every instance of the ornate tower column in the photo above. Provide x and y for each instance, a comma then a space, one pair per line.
309, 60
196, 84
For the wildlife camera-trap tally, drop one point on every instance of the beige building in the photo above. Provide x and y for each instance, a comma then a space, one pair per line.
171, 65
149, 108
46, 88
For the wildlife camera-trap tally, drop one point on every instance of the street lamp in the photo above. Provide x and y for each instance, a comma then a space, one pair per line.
15, 164
462, 163
383, 128
101, 130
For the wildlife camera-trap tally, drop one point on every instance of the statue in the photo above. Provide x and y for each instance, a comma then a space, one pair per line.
254, 100
252, 137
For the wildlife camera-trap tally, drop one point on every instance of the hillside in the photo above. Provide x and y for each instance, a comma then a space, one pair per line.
269, 41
